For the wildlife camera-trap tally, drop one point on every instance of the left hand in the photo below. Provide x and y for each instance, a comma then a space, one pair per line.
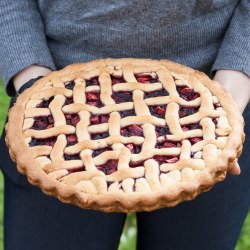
238, 85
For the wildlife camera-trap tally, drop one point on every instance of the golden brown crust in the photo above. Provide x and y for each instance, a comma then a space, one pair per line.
155, 193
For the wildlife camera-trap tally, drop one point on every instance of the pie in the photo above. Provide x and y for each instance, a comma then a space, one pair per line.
123, 135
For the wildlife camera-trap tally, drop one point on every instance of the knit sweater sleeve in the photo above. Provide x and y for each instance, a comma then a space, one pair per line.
22, 40
234, 52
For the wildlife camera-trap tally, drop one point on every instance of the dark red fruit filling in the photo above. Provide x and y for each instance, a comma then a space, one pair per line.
99, 151
161, 92
93, 99
186, 93
166, 158
80, 169
162, 130
168, 144
185, 111
122, 96
126, 113
43, 142
71, 139
45, 103
191, 126
117, 79
98, 136
215, 121
92, 81
68, 100
158, 110
70, 85
195, 140
143, 78
43, 122
134, 164
72, 119
134, 149
97, 119
109, 167
72, 157
132, 130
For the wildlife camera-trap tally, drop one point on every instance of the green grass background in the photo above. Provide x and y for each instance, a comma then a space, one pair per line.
128, 238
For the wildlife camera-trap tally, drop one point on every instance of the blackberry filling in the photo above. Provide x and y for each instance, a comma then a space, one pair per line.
132, 130
161, 92
70, 85
195, 140
109, 167
191, 126
126, 113
215, 121
99, 151
134, 149
43, 142
43, 122
122, 96
166, 158
162, 130
45, 103
158, 110
186, 111
92, 81
72, 119
80, 169
71, 139
98, 136
97, 119
93, 99
143, 78
117, 79
186, 93
134, 164
71, 157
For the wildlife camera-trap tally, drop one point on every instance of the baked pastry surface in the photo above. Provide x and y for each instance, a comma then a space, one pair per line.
125, 134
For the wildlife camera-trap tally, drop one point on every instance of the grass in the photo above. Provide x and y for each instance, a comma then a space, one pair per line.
128, 238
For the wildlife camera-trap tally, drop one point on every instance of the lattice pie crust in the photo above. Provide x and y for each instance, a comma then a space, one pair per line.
125, 134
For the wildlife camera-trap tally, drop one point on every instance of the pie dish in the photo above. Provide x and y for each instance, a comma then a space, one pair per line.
123, 135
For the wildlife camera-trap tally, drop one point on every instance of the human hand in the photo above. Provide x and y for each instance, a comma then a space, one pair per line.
238, 85
28, 74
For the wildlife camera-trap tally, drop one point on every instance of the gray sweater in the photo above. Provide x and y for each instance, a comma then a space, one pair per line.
205, 34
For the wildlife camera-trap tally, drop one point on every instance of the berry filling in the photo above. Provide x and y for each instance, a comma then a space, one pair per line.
43, 122
99, 151
109, 167
70, 85
72, 119
144, 78
43, 142
191, 126
168, 144
195, 140
186, 93
134, 164
215, 121
158, 110
122, 96
161, 92
98, 136
134, 149
72, 157
68, 101
92, 81
166, 158
132, 130
97, 119
186, 111
93, 99
126, 113
117, 79
71, 140
45, 103
161, 130
80, 169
